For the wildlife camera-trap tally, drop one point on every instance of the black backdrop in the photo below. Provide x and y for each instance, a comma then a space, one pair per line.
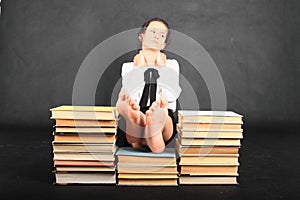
255, 45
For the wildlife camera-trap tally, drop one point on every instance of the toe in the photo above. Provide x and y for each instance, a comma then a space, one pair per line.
163, 102
136, 107
133, 104
148, 112
154, 106
131, 101
148, 117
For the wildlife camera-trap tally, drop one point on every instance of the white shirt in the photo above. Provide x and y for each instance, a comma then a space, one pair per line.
167, 83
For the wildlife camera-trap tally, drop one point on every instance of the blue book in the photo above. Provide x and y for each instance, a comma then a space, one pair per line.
145, 152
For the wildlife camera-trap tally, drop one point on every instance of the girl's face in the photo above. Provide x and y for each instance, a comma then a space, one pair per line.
155, 36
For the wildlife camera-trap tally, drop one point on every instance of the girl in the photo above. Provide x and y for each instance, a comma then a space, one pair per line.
151, 122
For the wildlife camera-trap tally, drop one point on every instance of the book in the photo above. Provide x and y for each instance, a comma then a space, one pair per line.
209, 159
142, 157
83, 163
62, 147
147, 160
209, 116
84, 156
129, 151
209, 127
154, 169
196, 150
148, 182
85, 169
85, 178
204, 170
210, 119
85, 123
84, 108
211, 134
84, 138
147, 176
208, 142
86, 129
83, 112
194, 180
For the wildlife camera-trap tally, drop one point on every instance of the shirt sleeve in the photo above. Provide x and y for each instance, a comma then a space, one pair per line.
134, 85
169, 83
125, 69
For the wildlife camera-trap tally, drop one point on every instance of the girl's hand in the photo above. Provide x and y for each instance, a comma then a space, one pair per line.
161, 59
139, 59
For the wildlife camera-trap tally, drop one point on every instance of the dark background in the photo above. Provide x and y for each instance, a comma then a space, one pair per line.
254, 43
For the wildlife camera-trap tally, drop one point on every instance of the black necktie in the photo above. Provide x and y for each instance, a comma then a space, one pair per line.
150, 77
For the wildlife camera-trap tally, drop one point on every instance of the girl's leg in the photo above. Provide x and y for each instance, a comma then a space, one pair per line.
135, 119
159, 126
134, 129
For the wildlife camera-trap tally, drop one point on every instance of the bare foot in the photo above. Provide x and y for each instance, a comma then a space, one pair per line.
127, 107
157, 113
130, 110
155, 120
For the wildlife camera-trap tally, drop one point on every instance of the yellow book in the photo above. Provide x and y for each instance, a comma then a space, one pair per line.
147, 176
84, 108
84, 112
209, 159
195, 180
148, 182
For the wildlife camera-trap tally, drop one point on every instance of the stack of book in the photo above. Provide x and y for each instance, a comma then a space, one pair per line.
84, 144
208, 146
139, 166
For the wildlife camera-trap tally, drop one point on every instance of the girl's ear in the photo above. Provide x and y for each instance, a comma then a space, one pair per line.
140, 37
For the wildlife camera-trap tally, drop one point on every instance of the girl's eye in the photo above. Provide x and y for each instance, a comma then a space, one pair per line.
162, 36
152, 31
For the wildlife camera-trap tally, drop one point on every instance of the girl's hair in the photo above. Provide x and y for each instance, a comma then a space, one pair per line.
156, 19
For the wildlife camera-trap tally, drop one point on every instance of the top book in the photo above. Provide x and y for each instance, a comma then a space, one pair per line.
145, 152
84, 112
209, 116
84, 108
208, 113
